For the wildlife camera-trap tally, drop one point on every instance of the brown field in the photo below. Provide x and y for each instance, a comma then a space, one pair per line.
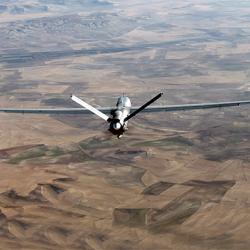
175, 180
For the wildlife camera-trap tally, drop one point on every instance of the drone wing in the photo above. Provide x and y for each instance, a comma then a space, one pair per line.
192, 106
62, 111
102, 112
88, 109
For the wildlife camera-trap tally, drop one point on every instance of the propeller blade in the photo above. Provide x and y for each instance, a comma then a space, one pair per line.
90, 108
143, 107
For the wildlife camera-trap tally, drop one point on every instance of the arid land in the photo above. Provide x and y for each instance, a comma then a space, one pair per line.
175, 180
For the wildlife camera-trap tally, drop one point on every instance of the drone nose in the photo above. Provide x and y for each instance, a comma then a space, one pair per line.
116, 125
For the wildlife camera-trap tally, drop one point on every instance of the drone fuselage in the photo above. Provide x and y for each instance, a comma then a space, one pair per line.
122, 110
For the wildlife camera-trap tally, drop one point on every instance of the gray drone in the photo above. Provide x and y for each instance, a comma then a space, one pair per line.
119, 116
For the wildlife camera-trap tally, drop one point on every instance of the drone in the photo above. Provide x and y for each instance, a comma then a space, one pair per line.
118, 117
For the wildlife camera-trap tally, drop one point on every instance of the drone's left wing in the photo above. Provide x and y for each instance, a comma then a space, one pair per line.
64, 111
191, 106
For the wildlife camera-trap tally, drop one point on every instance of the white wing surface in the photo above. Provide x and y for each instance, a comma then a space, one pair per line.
90, 108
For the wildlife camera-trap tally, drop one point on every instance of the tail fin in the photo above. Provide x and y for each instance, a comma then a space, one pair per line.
143, 107
90, 108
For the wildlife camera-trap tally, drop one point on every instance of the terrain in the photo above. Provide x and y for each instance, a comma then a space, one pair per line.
175, 180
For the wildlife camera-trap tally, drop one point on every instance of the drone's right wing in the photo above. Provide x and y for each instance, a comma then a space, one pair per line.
147, 108
192, 106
